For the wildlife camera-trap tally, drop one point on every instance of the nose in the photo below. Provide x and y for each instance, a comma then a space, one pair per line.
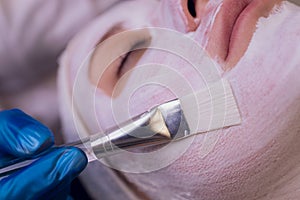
180, 15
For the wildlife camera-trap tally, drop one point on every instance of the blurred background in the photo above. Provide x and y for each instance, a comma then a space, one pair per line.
296, 1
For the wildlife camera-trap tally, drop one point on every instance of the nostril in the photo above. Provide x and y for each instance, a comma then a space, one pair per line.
191, 8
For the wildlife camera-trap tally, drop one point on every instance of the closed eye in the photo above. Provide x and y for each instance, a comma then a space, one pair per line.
131, 58
117, 55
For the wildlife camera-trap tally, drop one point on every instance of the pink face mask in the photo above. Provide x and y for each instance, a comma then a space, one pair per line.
254, 50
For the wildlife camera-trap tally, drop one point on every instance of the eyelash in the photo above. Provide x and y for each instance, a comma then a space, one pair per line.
123, 62
134, 47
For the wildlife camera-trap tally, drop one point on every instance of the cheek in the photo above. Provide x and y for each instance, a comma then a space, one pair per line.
248, 160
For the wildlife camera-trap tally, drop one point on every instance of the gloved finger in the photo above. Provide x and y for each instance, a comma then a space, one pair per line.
22, 135
46, 177
6, 159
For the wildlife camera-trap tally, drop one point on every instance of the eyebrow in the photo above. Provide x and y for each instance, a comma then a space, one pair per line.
117, 28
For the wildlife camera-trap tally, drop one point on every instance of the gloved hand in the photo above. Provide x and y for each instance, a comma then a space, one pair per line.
47, 178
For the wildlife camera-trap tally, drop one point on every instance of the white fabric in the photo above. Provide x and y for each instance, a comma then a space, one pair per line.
34, 32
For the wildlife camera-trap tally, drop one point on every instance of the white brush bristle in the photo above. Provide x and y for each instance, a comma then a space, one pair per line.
211, 108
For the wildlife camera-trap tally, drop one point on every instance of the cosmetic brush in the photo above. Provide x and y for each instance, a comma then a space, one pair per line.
206, 110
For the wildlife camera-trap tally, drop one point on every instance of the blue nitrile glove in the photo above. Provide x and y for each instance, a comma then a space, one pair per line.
47, 178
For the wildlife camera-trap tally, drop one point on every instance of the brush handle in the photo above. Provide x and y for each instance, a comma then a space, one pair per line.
20, 163
159, 125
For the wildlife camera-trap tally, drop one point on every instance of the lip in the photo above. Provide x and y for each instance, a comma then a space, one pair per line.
225, 32
244, 29
234, 27
234, 24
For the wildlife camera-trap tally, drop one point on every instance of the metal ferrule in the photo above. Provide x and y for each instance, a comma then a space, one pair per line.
160, 125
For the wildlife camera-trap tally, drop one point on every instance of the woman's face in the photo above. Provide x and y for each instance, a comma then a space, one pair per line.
253, 46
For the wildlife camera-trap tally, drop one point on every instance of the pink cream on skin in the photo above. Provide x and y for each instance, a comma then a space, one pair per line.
258, 159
